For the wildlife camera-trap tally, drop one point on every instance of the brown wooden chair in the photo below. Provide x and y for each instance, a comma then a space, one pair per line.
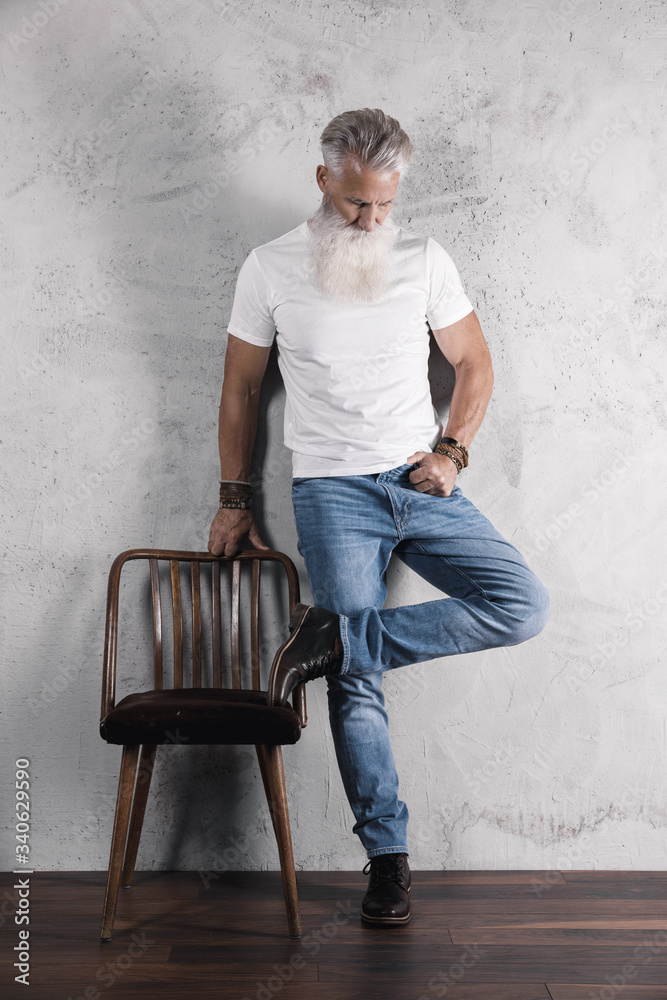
197, 714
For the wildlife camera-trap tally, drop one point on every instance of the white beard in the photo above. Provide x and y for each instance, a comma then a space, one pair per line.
350, 265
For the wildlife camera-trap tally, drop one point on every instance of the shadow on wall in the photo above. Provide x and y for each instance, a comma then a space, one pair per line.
173, 330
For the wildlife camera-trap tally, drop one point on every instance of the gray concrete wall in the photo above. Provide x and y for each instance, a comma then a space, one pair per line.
147, 147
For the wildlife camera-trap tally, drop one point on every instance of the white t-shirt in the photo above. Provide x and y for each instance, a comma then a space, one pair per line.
356, 376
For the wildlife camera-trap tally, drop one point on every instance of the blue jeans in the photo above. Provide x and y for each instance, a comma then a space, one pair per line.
348, 527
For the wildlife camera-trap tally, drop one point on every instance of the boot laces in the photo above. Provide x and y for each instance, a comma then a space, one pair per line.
385, 868
320, 663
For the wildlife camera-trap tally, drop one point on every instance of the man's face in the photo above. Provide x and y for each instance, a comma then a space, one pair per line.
352, 238
362, 197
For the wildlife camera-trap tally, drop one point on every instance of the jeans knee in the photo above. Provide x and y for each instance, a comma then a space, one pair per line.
539, 604
366, 685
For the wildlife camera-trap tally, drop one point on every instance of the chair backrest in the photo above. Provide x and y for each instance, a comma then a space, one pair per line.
195, 562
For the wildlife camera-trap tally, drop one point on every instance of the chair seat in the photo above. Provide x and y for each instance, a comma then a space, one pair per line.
200, 715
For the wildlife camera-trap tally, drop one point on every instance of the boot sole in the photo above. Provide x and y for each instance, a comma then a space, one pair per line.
295, 623
388, 921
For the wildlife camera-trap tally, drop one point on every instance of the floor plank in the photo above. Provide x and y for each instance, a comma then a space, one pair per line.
560, 991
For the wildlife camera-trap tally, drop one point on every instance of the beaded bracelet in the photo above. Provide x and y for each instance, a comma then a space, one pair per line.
454, 458
236, 503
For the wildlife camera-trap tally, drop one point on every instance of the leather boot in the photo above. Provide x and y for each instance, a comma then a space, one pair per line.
387, 900
313, 649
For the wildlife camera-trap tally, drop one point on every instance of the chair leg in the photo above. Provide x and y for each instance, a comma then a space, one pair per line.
261, 757
128, 771
144, 775
273, 776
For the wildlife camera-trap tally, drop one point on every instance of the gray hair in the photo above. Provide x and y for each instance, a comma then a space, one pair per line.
369, 136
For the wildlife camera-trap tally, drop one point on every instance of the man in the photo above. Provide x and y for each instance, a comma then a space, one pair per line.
352, 298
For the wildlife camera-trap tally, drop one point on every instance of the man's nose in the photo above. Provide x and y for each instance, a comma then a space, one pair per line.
367, 219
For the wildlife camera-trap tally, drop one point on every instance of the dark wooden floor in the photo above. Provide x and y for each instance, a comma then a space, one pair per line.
473, 936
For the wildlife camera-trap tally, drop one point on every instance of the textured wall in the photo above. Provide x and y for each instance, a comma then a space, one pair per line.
147, 147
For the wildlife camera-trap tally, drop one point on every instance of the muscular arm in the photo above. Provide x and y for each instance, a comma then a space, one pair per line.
465, 348
245, 365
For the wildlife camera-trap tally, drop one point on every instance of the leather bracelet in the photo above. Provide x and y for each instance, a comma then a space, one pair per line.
457, 444
235, 489
235, 494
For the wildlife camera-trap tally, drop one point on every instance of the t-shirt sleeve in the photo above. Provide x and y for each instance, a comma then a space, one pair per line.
251, 317
447, 302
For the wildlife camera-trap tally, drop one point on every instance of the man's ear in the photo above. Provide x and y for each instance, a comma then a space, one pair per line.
322, 177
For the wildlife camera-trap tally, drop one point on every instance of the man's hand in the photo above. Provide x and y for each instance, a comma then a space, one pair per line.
230, 526
436, 474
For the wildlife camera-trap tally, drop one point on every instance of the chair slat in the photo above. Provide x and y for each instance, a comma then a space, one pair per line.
254, 625
178, 622
217, 635
196, 624
157, 625
234, 637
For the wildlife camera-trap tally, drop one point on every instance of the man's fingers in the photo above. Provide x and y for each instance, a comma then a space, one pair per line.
220, 548
223, 541
419, 475
215, 547
253, 535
